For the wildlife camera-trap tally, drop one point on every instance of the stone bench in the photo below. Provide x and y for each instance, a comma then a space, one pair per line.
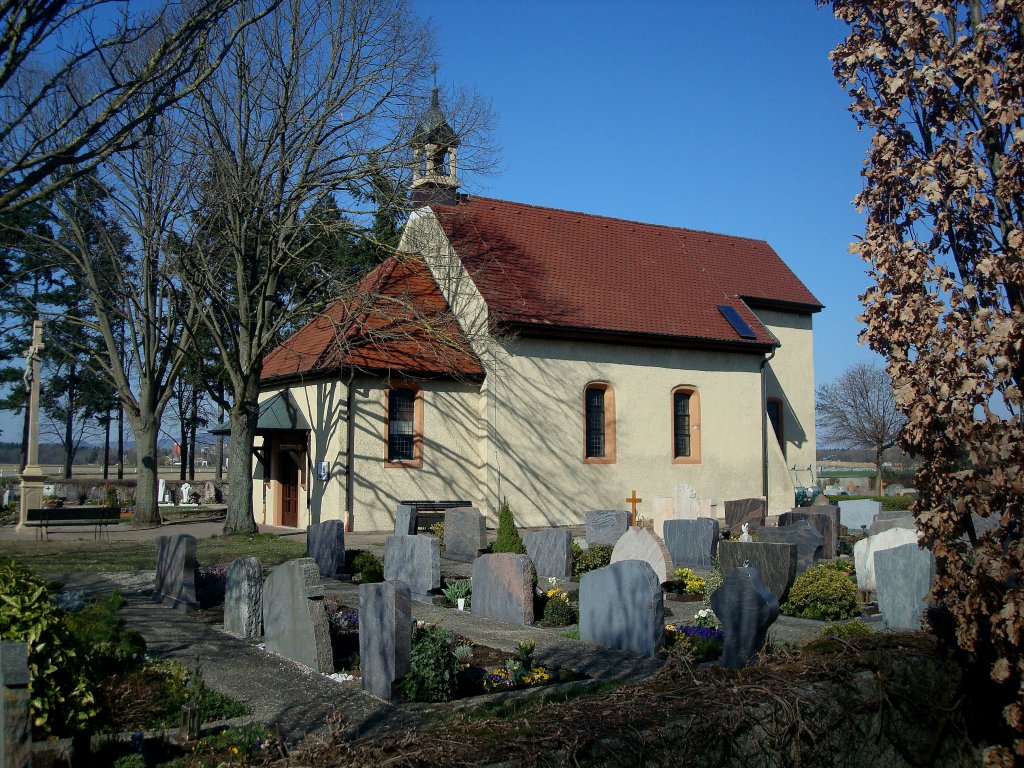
429, 512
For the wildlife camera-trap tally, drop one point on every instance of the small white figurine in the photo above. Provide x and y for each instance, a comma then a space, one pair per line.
745, 536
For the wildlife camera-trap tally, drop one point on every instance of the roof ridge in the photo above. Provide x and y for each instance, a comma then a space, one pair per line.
671, 228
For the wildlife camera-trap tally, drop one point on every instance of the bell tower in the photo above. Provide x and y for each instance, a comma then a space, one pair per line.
435, 148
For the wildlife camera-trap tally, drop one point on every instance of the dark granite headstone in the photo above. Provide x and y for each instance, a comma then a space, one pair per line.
904, 575
176, 572
465, 534
776, 563
325, 543
746, 608
243, 598
809, 542
692, 542
294, 618
15, 700
825, 519
405, 520
605, 526
740, 511
551, 552
622, 606
503, 588
385, 636
414, 560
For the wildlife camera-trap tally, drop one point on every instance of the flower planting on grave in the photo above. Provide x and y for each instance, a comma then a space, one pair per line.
343, 624
823, 592
713, 581
700, 643
366, 567
211, 583
586, 560
459, 589
518, 672
686, 582
437, 531
508, 538
560, 609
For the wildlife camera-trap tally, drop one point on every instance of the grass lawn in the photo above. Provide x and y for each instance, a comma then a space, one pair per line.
112, 556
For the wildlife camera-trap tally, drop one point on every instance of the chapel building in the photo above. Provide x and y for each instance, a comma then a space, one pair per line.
554, 358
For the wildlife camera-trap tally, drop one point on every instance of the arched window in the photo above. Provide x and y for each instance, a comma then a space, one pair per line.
404, 427
685, 425
599, 423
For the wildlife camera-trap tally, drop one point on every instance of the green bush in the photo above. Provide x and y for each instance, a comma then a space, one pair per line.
100, 635
713, 581
508, 538
367, 567
847, 630
437, 531
433, 668
558, 612
586, 560
889, 503
63, 695
824, 594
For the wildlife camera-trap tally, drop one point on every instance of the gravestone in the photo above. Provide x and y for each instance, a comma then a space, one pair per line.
858, 514
209, 492
904, 521
503, 588
385, 637
904, 576
605, 526
243, 598
809, 542
775, 563
642, 544
186, 493
405, 520
325, 543
551, 552
746, 608
710, 508
622, 606
825, 519
692, 542
15, 721
161, 493
414, 560
176, 572
465, 534
865, 549
294, 619
685, 502
740, 511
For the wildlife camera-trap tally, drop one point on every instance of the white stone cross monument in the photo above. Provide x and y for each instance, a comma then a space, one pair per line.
32, 478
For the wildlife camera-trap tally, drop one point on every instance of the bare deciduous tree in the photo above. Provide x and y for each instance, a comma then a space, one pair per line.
940, 86
858, 410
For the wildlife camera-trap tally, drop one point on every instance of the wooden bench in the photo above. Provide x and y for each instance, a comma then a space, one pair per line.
430, 512
58, 517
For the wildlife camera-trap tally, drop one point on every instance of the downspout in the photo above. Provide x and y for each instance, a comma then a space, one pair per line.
764, 424
350, 447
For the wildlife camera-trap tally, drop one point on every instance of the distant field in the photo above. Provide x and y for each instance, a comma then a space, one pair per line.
56, 472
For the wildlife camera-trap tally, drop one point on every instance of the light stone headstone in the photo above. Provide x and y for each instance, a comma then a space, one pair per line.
243, 598
904, 576
405, 520
15, 700
746, 608
858, 514
186, 491
662, 505
685, 502
809, 543
385, 637
176, 572
775, 563
605, 526
711, 508
739, 511
865, 549
551, 552
692, 543
824, 518
642, 544
904, 521
465, 534
623, 606
209, 492
413, 560
325, 543
294, 619
161, 493
503, 588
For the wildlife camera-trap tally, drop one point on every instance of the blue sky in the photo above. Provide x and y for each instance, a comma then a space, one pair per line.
717, 116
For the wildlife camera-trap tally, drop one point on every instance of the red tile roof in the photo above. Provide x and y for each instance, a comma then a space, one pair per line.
545, 269
395, 320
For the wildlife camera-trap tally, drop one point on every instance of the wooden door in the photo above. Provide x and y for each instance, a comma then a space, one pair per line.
288, 477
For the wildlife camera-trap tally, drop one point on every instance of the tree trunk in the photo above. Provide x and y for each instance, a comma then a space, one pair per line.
146, 476
878, 471
23, 462
69, 424
106, 446
220, 438
120, 440
244, 417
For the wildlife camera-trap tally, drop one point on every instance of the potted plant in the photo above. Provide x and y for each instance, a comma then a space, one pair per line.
458, 592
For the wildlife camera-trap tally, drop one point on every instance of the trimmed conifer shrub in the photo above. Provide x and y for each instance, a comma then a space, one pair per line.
508, 539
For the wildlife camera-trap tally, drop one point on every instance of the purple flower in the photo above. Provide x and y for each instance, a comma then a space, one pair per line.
700, 633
